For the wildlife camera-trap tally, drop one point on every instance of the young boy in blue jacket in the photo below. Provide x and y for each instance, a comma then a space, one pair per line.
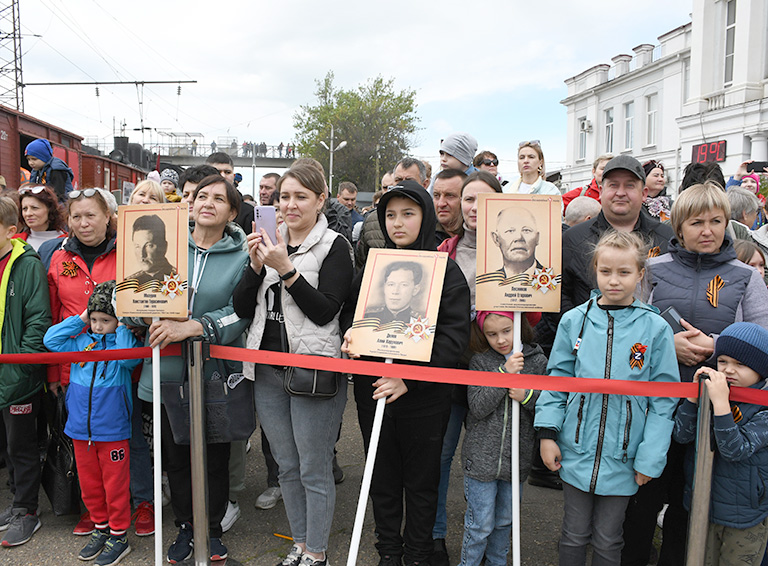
738, 513
99, 421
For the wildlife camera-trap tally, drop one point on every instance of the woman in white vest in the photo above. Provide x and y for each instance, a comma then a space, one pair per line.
293, 290
530, 163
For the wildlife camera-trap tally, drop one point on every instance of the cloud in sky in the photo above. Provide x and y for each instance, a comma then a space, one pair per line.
495, 69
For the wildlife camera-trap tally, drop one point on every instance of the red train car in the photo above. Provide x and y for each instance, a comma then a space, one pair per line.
17, 130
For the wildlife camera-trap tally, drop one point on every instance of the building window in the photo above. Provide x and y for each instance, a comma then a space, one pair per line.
651, 111
609, 130
730, 38
583, 128
629, 129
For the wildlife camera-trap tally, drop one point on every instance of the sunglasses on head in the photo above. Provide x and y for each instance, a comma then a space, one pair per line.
87, 193
34, 190
493, 162
532, 142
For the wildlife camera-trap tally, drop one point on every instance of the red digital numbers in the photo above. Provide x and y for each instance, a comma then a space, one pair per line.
708, 152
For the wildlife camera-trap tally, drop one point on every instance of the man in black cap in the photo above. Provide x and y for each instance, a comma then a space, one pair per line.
622, 209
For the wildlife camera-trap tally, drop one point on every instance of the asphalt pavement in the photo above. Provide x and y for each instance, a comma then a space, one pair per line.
253, 541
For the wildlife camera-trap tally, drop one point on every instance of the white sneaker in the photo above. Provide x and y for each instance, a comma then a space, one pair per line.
166, 490
232, 515
660, 516
269, 498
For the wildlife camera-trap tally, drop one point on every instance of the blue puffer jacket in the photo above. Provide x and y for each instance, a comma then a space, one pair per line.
680, 279
604, 439
99, 393
740, 469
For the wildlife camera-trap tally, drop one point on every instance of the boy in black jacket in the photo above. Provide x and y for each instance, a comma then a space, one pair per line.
408, 457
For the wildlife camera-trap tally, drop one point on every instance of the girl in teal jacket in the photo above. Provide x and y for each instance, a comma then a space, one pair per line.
605, 446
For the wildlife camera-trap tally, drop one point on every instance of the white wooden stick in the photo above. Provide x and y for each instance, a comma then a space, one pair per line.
156, 450
365, 487
518, 347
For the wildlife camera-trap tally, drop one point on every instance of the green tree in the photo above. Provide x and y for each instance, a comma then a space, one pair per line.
376, 122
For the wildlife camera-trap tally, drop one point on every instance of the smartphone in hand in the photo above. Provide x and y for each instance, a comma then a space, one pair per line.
264, 217
757, 166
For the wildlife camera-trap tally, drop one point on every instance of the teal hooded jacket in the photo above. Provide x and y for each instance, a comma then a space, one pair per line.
603, 438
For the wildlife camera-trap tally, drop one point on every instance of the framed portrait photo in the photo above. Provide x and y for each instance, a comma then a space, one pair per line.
152, 248
398, 304
519, 252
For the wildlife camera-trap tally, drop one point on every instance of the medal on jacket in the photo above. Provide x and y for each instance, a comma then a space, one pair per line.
713, 290
69, 268
88, 348
637, 356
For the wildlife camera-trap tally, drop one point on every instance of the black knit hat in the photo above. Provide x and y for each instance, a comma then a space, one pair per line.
746, 342
101, 299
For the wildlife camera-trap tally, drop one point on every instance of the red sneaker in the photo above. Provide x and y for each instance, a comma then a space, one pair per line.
85, 526
145, 519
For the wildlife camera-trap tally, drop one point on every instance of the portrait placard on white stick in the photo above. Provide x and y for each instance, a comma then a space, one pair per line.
398, 304
518, 252
152, 248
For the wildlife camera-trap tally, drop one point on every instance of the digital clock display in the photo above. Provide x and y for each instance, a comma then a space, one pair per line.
708, 152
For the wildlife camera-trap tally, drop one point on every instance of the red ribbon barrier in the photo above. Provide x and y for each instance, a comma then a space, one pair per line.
405, 371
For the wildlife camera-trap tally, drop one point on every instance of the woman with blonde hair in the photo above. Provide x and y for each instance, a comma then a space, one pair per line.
530, 163
147, 192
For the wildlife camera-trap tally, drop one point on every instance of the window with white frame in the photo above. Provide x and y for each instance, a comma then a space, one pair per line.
583, 127
730, 40
651, 113
609, 130
629, 125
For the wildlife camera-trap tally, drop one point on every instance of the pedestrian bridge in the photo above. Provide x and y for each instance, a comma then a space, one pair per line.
269, 162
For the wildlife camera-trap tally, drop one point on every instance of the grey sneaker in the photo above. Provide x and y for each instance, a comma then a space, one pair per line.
115, 549
23, 525
269, 498
95, 545
5, 518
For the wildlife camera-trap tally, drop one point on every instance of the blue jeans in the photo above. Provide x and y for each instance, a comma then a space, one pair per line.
450, 442
598, 519
142, 484
487, 522
302, 432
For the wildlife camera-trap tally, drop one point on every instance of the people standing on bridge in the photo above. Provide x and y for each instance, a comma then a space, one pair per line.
605, 446
194, 147
47, 169
280, 149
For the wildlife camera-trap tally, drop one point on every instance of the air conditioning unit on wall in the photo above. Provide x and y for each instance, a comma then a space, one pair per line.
585, 126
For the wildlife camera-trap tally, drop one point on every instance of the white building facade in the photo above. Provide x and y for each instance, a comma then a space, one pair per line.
706, 82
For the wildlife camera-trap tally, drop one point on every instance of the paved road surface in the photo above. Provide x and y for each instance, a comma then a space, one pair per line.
251, 540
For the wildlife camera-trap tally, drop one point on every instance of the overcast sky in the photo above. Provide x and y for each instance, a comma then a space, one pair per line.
494, 69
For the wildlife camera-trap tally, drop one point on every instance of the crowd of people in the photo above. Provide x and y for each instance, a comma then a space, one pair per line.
630, 251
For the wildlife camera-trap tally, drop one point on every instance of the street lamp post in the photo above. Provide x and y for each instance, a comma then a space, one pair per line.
332, 150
